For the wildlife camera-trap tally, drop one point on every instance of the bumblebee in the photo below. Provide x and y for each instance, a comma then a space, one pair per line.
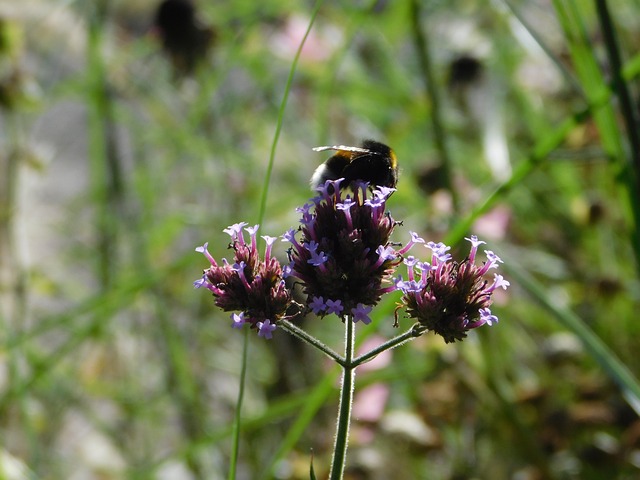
373, 162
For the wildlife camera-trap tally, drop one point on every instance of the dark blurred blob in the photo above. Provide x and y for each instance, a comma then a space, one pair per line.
431, 179
11, 90
609, 287
463, 71
597, 212
184, 38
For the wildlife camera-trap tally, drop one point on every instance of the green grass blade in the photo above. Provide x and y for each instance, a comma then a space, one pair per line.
592, 79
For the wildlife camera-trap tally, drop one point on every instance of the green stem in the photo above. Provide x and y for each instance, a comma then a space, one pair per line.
619, 85
558, 63
283, 104
106, 170
238, 415
540, 152
346, 402
314, 342
439, 136
627, 109
410, 334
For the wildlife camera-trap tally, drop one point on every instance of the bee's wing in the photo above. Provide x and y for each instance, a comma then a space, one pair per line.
343, 148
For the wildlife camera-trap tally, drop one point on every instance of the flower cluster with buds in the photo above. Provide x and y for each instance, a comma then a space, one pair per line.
447, 297
254, 287
344, 257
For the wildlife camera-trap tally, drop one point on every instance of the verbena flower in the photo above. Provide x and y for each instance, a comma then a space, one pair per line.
344, 258
344, 262
252, 286
447, 297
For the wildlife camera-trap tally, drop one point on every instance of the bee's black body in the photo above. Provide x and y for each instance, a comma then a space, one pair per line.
373, 162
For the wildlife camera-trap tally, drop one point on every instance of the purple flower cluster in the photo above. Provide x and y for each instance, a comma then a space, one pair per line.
254, 287
344, 257
345, 263
447, 297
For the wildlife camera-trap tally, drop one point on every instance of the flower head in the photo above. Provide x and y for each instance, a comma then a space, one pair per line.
250, 285
451, 298
344, 255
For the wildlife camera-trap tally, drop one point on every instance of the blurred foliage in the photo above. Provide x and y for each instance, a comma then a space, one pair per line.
111, 366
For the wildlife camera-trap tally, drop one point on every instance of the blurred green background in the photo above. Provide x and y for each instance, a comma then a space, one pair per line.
122, 148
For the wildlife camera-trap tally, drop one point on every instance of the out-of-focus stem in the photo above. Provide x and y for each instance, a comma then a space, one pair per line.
439, 137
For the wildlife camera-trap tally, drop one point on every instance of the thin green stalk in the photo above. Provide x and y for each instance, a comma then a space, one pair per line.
420, 39
283, 104
106, 171
571, 18
14, 308
559, 64
627, 108
237, 422
410, 334
314, 342
261, 213
539, 153
11, 261
346, 402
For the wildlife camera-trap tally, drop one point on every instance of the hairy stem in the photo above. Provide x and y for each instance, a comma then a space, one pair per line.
314, 342
346, 402
410, 334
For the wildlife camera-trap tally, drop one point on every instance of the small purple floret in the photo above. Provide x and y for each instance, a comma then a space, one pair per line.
238, 320
361, 313
334, 306
265, 329
317, 305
